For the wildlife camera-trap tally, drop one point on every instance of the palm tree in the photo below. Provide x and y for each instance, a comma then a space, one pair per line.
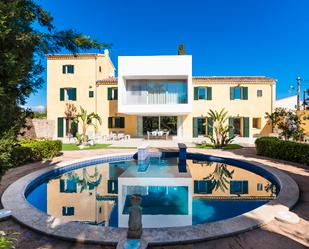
87, 120
221, 129
220, 177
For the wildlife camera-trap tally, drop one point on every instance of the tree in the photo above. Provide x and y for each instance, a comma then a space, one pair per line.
221, 128
22, 47
288, 122
87, 120
220, 177
181, 49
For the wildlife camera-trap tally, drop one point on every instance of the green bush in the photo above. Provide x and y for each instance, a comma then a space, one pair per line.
14, 153
284, 150
43, 149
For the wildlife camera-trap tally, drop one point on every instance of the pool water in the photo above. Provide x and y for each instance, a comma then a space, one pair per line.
100, 194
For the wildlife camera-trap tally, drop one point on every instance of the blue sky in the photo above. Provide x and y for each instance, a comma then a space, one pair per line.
239, 37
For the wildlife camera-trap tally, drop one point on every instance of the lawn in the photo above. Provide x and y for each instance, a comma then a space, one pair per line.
227, 147
92, 147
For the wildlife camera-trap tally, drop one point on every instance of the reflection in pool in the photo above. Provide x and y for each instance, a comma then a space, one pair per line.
99, 194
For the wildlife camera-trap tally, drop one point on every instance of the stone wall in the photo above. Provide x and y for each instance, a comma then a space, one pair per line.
38, 128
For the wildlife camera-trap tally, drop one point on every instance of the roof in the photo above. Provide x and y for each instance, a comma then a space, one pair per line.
212, 79
73, 56
235, 79
107, 81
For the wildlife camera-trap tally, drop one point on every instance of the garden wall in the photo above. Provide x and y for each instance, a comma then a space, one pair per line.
39, 128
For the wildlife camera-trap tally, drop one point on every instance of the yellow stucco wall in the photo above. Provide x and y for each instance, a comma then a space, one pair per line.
304, 115
199, 172
87, 73
109, 108
254, 107
86, 207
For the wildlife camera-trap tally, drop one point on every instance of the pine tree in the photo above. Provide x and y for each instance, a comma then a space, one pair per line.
22, 47
181, 49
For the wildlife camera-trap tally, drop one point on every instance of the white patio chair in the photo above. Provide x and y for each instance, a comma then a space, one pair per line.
121, 136
160, 134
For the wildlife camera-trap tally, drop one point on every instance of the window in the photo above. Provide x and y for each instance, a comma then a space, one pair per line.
256, 123
259, 187
199, 127
68, 186
202, 187
67, 94
67, 211
100, 69
91, 94
238, 187
238, 93
259, 93
116, 122
204, 93
112, 93
112, 186
201, 93
68, 69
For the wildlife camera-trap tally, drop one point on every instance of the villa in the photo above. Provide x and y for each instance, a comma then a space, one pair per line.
154, 93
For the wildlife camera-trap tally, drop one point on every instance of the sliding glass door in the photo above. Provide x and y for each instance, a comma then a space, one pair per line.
163, 123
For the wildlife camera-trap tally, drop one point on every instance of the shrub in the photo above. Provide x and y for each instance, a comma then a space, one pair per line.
43, 149
285, 150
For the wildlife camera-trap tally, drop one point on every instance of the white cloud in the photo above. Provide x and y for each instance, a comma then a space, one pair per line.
38, 108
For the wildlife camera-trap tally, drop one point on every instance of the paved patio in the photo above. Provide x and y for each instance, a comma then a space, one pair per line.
172, 142
274, 235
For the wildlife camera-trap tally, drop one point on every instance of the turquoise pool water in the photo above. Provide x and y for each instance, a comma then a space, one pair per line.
99, 194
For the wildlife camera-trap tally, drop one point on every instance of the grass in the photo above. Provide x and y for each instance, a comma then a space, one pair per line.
227, 147
70, 147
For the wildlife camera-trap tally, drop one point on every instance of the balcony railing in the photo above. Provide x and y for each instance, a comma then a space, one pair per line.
153, 92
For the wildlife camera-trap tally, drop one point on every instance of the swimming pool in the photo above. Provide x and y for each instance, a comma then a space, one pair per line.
98, 192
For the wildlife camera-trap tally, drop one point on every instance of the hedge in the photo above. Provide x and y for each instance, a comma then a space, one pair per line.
43, 149
14, 153
284, 150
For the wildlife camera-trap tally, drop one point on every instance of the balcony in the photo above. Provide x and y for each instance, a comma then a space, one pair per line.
155, 85
156, 92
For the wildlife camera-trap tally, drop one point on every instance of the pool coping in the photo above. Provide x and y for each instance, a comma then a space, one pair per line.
14, 199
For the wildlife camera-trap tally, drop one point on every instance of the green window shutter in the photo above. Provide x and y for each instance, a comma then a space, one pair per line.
209, 93
195, 93
245, 187
122, 122
244, 91
63, 69
60, 127
62, 190
231, 123
110, 122
196, 187
74, 93
91, 94
231, 93
246, 127
210, 126
195, 124
72, 68
61, 94
115, 93
109, 93
117, 122
74, 128
209, 187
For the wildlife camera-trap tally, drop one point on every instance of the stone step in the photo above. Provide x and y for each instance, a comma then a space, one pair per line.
4, 213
